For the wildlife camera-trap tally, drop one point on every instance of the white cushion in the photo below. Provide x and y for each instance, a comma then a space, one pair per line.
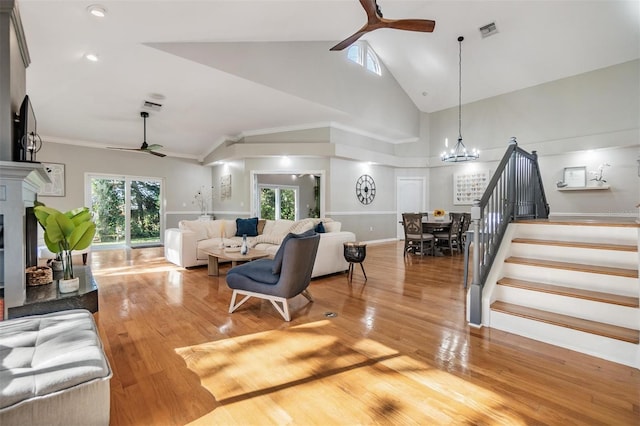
43, 354
332, 226
301, 226
196, 226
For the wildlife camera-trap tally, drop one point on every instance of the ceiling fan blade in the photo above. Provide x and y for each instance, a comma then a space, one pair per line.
123, 149
350, 40
371, 8
158, 154
375, 21
153, 146
422, 25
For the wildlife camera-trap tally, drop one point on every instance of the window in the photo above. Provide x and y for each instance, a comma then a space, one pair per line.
278, 202
353, 54
127, 210
363, 55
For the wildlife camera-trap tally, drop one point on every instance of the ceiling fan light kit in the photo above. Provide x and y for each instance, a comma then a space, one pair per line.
459, 152
376, 21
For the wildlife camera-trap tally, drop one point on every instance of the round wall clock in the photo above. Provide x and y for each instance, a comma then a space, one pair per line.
365, 189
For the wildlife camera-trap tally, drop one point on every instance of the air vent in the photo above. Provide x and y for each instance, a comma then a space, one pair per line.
153, 106
488, 30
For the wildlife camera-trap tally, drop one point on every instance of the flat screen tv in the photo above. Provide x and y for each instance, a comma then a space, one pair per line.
27, 140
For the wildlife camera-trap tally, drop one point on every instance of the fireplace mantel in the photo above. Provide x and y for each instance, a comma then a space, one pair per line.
19, 184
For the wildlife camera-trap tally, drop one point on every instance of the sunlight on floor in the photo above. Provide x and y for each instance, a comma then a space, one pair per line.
305, 374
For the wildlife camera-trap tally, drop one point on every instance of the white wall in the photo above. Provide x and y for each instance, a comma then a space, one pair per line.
182, 178
561, 120
324, 77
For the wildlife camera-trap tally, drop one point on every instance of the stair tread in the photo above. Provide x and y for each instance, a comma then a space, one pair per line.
615, 299
577, 244
580, 267
593, 327
627, 222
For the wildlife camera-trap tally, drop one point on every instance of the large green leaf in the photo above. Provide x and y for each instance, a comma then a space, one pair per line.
42, 213
82, 236
79, 216
53, 247
59, 228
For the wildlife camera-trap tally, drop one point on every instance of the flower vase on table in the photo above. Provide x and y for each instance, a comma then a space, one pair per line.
244, 249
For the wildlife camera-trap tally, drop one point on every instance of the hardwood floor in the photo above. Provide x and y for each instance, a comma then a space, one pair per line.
398, 352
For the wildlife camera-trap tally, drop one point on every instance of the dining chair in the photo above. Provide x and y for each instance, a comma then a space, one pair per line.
414, 237
466, 222
452, 235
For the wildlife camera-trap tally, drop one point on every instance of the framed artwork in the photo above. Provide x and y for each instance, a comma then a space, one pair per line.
56, 174
575, 177
225, 187
470, 186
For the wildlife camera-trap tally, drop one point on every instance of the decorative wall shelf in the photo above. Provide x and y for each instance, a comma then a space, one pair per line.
585, 188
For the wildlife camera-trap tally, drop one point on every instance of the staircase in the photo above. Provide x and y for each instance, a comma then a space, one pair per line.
571, 283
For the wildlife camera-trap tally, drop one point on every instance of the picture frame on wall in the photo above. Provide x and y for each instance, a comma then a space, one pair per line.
225, 187
575, 177
469, 186
56, 188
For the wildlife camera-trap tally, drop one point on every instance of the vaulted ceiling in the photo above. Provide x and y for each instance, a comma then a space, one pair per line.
149, 50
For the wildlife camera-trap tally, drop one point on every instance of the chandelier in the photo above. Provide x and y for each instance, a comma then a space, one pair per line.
459, 152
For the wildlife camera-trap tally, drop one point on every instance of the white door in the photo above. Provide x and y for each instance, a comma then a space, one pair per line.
410, 192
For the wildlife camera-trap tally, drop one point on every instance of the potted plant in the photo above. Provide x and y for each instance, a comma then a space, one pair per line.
63, 233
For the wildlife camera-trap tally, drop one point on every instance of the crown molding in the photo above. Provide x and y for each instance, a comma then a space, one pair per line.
11, 7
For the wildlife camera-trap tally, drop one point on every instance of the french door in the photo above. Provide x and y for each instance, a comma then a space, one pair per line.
127, 210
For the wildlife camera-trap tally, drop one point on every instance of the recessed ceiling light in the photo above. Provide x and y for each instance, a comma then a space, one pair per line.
97, 10
91, 57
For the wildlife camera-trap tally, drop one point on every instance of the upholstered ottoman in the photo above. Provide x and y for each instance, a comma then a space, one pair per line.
53, 371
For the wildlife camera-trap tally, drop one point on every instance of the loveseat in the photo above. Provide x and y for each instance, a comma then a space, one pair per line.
184, 245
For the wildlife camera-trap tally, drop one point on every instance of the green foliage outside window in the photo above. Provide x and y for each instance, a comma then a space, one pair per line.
268, 203
108, 204
288, 204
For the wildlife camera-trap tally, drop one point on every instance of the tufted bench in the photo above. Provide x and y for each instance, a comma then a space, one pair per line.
53, 371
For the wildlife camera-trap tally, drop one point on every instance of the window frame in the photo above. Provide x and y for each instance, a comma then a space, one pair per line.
365, 53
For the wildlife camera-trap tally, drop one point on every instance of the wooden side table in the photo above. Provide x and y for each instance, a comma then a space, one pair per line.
355, 253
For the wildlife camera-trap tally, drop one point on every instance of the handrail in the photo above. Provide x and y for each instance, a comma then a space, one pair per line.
514, 192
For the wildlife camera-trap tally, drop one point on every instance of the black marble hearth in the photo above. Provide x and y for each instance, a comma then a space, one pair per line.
46, 298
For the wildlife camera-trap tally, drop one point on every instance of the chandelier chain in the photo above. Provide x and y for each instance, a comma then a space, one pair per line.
460, 88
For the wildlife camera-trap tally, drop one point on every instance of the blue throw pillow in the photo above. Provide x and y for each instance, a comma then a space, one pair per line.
320, 228
247, 226
277, 259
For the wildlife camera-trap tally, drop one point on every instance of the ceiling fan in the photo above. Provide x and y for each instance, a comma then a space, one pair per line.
145, 146
376, 21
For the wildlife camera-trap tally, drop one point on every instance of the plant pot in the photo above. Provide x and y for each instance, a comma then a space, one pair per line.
56, 265
69, 286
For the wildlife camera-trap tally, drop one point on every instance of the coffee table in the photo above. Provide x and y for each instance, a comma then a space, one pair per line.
216, 255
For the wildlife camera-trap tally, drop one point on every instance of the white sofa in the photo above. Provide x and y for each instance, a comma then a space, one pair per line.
184, 245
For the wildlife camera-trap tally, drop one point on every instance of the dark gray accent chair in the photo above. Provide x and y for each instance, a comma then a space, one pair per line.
279, 279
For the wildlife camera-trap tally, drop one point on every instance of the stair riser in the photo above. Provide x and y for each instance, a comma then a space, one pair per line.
621, 316
583, 280
611, 349
585, 234
611, 258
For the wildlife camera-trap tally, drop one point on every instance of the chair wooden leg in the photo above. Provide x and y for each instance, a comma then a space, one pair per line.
365, 274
